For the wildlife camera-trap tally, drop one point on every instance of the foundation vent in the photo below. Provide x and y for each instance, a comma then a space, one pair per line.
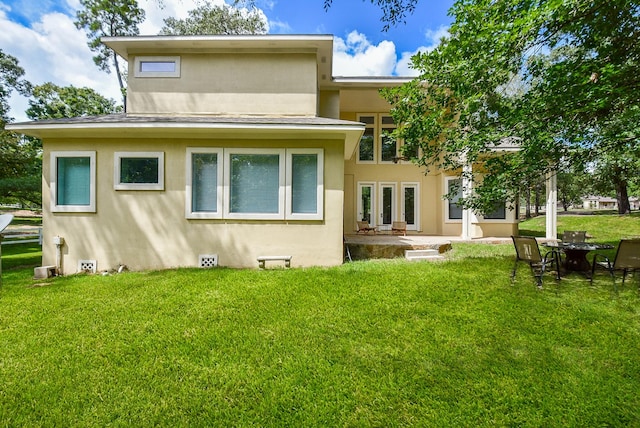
207, 260
87, 266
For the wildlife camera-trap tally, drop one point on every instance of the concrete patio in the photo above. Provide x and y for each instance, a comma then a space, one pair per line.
387, 246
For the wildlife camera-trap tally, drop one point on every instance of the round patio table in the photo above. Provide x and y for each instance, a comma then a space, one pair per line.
576, 253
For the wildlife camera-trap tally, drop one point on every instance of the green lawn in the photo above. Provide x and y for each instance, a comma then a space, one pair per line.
375, 343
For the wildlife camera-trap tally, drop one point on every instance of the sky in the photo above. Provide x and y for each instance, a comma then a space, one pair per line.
42, 36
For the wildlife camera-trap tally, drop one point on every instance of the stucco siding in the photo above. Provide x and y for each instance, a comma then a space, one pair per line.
149, 230
260, 84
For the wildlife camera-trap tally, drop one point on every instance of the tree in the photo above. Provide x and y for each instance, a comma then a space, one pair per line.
213, 19
50, 101
394, 11
102, 18
579, 63
19, 162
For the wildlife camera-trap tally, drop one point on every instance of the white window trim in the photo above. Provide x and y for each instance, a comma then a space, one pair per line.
227, 185
53, 182
373, 208
189, 180
319, 214
446, 201
140, 59
373, 126
509, 217
117, 156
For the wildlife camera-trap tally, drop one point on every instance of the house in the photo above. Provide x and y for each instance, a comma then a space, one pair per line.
232, 148
607, 203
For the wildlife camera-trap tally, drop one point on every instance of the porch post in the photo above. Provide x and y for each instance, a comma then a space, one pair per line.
552, 206
467, 185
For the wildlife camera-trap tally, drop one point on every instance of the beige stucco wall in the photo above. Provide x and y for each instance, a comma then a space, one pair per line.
148, 229
229, 84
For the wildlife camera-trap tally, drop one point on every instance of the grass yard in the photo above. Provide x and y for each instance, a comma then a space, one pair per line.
375, 343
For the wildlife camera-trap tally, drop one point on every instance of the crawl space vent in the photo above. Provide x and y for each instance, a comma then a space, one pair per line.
208, 260
88, 266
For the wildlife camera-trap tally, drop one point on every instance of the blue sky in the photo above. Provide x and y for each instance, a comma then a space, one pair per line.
41, 34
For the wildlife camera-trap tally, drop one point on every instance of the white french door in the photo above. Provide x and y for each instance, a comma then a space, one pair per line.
410, 205
366, 203
387, 205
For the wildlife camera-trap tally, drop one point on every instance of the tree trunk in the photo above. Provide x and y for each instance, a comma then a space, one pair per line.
537, 200
120, 81
528, 206
623, 198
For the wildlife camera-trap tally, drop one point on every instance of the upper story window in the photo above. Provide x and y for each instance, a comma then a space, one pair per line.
73, 181
157, 66
375, 145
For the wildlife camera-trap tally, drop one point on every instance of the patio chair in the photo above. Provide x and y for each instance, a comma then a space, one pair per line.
573, 236
363, 226
528, 251
399, 228
627, 259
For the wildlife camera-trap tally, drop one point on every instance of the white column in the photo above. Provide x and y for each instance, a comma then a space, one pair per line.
467, 187
552, 206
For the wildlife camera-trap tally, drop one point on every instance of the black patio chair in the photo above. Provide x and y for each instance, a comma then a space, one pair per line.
528, 251
627, 260
573, 236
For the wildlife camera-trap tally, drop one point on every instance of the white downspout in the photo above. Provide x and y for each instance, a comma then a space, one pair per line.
552, 206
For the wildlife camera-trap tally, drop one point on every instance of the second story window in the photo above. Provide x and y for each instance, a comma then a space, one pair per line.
376, 146
157, 66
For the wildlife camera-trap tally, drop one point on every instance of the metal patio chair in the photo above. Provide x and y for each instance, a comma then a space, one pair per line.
528, 251
627, 260
573, 236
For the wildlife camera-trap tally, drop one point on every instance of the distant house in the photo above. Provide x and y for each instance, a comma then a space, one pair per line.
607, 203
235, 147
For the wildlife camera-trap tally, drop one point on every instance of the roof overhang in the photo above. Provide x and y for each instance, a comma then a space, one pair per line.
267, 129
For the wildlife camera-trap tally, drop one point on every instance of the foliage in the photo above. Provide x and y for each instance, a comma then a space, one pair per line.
216, 19
19, 160
377, 343
394, 11
545, 75
101, 18
10, 79
51, 101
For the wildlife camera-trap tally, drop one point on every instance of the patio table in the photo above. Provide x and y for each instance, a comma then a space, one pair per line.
576, 253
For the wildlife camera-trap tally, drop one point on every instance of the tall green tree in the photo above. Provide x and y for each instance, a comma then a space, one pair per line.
579, 61
102, 18
51, 101
214, 19
19, 160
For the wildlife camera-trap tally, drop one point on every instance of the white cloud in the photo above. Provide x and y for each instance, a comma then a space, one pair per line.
53, 50
433, 37
356, 56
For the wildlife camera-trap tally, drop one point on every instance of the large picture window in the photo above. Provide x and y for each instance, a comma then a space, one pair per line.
255, 184
73, 181
367, 146
204, 183
139, 170
388, 145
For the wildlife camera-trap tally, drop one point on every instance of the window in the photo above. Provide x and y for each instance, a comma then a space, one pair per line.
73, 181
366, 148
204, 183
255, 184
254, 187
499, 212
157, 66
304, 184
388, 145
139, 170
376, 145
454, 210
